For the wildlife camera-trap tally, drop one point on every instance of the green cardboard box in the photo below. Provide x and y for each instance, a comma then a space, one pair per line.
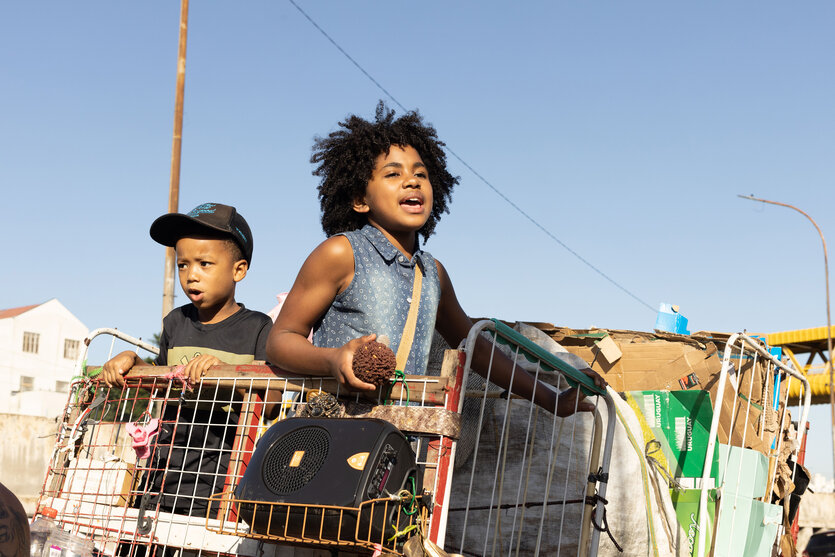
680, 421
686, 504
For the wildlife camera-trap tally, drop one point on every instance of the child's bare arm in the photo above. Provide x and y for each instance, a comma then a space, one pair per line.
453, 324
117, 366
327, 271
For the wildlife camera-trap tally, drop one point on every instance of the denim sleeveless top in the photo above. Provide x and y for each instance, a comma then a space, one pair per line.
379, 296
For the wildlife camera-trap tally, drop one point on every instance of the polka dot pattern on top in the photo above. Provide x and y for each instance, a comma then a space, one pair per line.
379, 296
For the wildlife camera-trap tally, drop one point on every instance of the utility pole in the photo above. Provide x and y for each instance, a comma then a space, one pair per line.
828, 320
176, 149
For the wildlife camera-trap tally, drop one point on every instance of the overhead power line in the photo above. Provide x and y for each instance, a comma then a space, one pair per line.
471, 169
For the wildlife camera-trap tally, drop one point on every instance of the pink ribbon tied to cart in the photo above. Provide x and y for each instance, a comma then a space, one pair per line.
177, 374
142, 435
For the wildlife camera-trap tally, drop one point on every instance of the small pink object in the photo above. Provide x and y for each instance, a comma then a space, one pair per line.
177, 373
378, 550
273, 313
142, 435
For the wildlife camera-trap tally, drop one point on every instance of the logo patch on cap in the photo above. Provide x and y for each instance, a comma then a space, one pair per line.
243, 236
204, 209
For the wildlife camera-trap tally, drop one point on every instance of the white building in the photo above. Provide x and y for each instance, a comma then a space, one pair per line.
39, 349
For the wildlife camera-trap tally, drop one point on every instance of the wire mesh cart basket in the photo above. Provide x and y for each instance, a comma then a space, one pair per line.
159, 466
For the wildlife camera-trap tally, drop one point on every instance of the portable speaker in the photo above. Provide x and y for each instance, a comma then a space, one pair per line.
326, 461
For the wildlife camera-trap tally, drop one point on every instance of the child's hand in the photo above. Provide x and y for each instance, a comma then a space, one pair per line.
568, 399
343, 364
113, 370
197, 367
596, 377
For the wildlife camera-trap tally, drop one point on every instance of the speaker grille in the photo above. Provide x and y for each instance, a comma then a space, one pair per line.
279, 476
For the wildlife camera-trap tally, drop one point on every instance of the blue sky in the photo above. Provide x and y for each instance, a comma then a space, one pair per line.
625, 129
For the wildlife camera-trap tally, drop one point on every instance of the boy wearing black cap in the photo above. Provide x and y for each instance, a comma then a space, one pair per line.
214, 250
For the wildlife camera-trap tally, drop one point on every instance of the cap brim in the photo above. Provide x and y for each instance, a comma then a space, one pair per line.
167, 229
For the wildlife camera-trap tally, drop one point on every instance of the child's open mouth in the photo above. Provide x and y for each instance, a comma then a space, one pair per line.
412, 204
195, 295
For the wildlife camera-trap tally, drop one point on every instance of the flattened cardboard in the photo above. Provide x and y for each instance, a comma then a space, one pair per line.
738, 420
680, 421
686, 504
655, 364
746, 527
606, 349
742, 471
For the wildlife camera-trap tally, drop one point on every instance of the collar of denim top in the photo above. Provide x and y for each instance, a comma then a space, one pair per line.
387, 249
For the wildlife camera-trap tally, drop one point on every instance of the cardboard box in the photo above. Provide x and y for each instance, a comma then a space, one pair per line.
606, 349
650, 362
738, 421
686, 504
648, 365
680, 421
105, 482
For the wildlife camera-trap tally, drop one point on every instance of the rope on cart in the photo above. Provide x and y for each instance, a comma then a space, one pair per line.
400, 377
593, 500
652, 447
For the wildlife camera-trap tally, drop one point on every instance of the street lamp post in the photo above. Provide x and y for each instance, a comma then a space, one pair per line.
828, 320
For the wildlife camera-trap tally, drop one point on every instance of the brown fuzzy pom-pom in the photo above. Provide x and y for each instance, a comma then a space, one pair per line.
374, 363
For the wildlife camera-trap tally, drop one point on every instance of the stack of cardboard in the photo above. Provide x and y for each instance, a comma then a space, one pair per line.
669, 362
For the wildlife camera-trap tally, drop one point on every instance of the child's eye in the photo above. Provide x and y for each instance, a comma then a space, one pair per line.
205, 263
392, 174
181, 266
420, 174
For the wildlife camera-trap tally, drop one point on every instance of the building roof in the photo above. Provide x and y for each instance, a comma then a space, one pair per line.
13, 312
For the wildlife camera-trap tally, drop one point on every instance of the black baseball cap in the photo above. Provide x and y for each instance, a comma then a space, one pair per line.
208, 218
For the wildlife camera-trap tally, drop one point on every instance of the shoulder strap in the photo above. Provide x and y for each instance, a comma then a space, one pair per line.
408, 335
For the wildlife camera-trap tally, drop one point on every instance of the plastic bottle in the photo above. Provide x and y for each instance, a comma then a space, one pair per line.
80, 547
40, 530
64, 544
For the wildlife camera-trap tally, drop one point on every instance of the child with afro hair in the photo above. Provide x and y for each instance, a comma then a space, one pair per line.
384, 186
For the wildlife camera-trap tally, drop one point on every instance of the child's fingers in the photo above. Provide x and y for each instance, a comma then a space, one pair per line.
194, 370
568, 404
357, 385
348, 378
189, 371
342, 363
197, 368
113, 370
367, 338
113, 377
596, 377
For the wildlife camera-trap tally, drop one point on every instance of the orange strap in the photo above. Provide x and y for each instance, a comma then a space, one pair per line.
411, 320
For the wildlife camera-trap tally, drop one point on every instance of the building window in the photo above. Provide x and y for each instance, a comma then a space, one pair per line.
30, 342
71, 349
62, 386
26, 383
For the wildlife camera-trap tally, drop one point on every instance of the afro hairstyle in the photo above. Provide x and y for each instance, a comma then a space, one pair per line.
346, 158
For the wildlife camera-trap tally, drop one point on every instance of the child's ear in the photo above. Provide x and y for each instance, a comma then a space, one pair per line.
360, 206
239, 270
